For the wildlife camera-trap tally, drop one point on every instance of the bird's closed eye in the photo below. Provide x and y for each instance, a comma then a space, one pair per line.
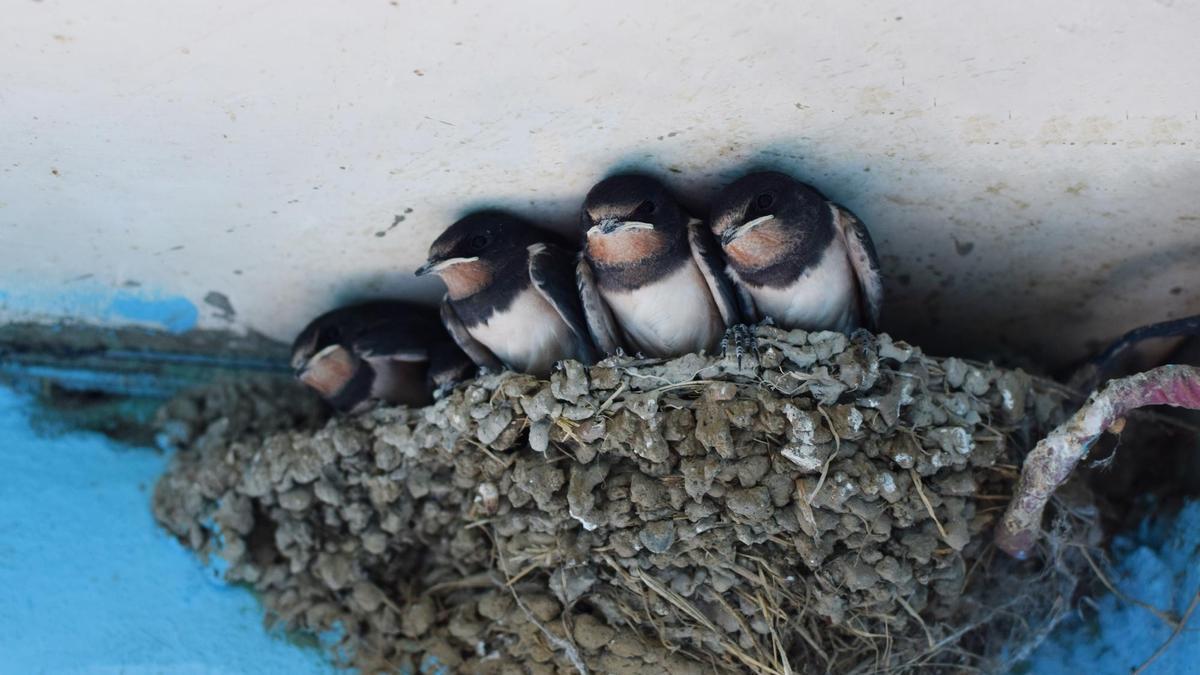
644, 209
479, 241
765, 200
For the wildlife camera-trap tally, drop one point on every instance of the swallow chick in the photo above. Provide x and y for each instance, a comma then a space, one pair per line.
796, 257
650, 277
387, 351
510, 297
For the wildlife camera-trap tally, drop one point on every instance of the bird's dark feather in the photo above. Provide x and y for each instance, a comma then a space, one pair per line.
600, 322
705, 252
481, 355
383, 340
551, 274
865, 262
448, 365
378, 328
749, 309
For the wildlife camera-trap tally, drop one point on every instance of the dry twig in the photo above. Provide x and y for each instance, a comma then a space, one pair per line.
1051, 462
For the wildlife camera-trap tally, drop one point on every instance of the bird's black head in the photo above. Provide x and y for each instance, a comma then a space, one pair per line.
345, 324
308, 342
478, 248
321, 332
766, 219
325, 365
632, 218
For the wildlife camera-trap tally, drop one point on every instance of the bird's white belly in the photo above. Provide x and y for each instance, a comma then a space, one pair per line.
528, 336
669, 317
825, 297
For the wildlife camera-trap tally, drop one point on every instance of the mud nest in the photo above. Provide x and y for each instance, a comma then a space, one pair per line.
825, 508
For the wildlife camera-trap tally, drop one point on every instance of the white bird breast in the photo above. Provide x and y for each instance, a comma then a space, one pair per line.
529, 335
825, 297
674, 315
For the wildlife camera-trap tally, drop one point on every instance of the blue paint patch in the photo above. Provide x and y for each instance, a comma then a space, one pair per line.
217, 564
432, 665
89, 583
1156, 564
177, 314
97, 303
332, 641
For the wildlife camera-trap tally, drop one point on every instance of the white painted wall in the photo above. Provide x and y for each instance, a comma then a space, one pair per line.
1029, 169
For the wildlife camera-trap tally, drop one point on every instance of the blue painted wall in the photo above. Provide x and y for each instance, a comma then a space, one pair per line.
90, 584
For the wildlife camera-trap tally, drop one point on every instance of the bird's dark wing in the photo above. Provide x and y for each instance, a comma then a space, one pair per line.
746, 304
392, 340
380, 328
599, 317
708, 257
550, 271
865, 263
448, 365
480, 354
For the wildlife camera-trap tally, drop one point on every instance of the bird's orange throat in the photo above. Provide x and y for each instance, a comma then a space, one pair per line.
328, 371
761, 247
466, 278
622, 248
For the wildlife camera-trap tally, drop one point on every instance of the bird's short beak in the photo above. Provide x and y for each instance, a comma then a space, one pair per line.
731, 234
611, 225
435, 265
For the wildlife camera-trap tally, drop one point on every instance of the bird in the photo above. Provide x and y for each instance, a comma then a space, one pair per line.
510, 295
795, 257
650, 276
389, 351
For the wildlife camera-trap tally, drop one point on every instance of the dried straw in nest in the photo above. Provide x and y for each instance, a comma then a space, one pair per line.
827, 508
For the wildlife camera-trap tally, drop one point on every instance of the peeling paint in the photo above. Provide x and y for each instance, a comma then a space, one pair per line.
175, 313
97, 304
